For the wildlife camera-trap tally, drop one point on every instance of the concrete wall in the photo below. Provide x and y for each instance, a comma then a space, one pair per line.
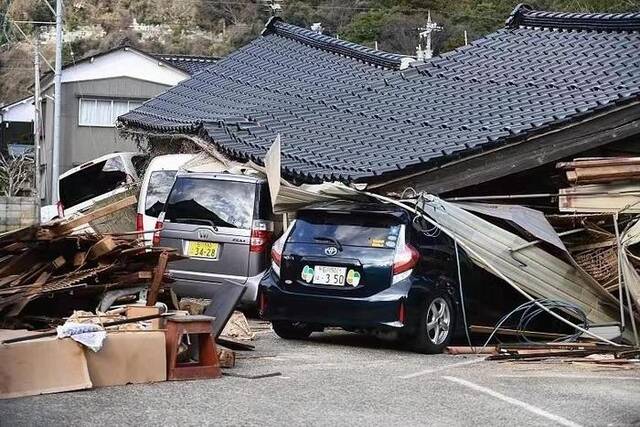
82, 143
17, 212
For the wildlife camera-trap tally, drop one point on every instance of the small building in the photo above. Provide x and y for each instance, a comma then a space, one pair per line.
95, 91
16, 126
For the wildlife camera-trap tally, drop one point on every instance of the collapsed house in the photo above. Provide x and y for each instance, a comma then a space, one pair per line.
488, 121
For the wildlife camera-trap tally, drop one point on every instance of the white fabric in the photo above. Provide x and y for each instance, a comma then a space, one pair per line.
87, 334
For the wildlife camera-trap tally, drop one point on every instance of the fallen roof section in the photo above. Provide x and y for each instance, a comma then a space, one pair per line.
349, 113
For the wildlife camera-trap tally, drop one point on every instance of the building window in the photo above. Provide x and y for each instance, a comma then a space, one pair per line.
103, 112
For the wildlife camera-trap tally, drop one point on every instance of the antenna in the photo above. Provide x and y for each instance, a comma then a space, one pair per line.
274, 6
316, 27
425, 35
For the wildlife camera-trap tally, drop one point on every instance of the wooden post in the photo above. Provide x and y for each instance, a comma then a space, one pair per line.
154, 289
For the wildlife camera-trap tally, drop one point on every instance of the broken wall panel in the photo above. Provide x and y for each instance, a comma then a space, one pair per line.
537, 272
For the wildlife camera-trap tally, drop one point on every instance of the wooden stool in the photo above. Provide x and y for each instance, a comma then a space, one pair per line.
208, 365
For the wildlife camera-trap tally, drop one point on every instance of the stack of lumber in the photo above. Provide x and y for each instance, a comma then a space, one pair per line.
599, 170
601, 184
50, 270
569, 352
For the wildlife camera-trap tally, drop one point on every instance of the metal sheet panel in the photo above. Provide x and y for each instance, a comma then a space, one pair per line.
539, 273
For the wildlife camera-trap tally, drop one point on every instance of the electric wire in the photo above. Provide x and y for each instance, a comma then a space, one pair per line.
464, 311
419, 211
530, 310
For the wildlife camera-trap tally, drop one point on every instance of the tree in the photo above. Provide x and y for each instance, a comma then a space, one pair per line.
16, 172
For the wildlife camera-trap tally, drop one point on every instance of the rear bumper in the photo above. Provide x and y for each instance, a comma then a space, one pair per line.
379, 311
200, 288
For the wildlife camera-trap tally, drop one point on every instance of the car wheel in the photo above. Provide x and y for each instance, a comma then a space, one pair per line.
291, 330
436, 325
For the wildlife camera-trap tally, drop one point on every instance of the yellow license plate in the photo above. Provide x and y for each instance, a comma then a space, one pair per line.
203, 249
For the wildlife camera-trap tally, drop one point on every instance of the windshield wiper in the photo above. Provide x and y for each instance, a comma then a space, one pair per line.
329, 239
198, 221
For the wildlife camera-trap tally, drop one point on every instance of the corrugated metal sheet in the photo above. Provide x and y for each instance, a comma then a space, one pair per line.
537, 272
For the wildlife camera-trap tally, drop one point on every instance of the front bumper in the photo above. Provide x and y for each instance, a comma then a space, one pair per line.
379, 311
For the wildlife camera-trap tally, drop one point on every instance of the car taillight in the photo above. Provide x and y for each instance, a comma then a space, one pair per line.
156, 233
260, 239
406, 258
401, 313
139, 222
277, 248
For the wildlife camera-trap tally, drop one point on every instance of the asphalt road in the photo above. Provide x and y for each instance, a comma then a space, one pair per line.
338, 378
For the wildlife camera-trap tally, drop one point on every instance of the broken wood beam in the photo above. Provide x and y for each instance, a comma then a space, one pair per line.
154, 289
68, 226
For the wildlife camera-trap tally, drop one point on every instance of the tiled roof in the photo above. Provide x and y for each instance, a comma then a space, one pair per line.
348, 112
190, 64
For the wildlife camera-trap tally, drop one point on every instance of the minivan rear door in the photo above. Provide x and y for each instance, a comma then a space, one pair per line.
209, 220
340, 253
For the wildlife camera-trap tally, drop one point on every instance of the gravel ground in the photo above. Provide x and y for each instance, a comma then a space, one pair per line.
338, 378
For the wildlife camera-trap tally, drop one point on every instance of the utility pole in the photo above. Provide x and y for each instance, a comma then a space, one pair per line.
36, 121
57, 84
425, 34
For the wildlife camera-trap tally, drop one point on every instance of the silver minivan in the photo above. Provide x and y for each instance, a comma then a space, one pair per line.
225, 224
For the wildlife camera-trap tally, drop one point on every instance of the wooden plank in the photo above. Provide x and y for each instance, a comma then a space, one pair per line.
601, 161
154, 289
226, 357
70, 225
58, 262
101, 247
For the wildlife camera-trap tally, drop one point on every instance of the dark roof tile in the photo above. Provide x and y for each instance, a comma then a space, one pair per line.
348, 112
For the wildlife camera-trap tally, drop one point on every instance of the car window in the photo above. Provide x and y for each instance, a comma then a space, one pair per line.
349, 229
160, 183
92, 181
219, 203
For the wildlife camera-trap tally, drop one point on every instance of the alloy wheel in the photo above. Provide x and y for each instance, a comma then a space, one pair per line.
438, 321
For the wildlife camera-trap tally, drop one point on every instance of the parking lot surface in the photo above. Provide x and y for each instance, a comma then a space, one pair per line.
339, 378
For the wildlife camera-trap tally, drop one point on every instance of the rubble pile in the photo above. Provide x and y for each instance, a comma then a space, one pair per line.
48, 271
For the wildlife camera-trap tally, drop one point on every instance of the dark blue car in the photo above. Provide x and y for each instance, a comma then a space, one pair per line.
362, 267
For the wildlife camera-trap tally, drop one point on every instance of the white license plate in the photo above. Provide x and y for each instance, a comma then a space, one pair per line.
324, 275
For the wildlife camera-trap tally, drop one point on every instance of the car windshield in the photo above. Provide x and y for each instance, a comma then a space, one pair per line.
160, 183
348, 229
92, 181
219, 203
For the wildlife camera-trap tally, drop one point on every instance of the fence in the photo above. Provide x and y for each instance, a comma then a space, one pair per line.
16, 212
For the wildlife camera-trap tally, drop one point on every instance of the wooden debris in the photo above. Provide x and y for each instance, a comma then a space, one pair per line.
51, 261
158, 274
227, 357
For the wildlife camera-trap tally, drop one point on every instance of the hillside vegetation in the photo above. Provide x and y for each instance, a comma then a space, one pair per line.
210, 27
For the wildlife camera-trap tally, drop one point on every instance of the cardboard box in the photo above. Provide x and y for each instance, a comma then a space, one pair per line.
45, 365
129, 357
143, 310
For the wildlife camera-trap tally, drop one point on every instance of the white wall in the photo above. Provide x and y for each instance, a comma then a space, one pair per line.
21, 111
123, 63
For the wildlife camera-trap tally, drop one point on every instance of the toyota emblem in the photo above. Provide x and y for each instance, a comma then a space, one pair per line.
331, 250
